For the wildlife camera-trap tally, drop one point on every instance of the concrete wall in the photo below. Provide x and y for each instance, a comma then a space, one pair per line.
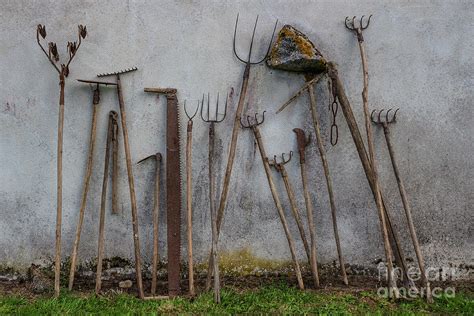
420, 60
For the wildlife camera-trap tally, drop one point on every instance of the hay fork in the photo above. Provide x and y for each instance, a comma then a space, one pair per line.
253, 124
238, 114
385, 122
189, 194
216, 118
280, 167
351, 25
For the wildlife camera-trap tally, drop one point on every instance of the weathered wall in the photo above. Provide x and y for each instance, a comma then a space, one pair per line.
420, 59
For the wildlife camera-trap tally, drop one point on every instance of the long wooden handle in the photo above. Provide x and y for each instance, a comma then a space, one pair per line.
103, 200
131, 184
295, 211
312, 227
189, 202
156, 212
115, 142
408, 213
322, 154
278, 205
59, 192
85, 190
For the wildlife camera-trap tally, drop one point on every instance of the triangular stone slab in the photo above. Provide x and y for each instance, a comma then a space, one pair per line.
293, 51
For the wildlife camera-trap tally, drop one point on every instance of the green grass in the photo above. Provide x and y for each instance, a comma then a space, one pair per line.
275, 299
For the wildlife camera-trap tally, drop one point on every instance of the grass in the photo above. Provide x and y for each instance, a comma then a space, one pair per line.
275, 299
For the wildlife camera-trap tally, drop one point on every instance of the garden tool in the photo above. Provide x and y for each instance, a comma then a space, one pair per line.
189, 196
173, 188
156, 212
131, 181
403, 194
258, 138
370, 144
63, 72
87, 177
236, 127
303, 142
346, 108
100, 248
293, 51
280, 167
215, 119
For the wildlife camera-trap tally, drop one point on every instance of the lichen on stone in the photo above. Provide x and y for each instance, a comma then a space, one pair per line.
293, 51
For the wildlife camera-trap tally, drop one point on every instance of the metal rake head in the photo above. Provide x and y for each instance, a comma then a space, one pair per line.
283, 160
122, 71
190, 117
350, 23
387, 120
255, 123
248, 61
216, 118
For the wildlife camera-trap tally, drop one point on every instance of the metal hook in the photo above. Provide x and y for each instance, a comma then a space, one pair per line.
248, 62
190, 117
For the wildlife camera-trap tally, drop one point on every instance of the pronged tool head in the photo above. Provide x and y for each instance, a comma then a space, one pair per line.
384, 121
217, 118
122, 71
254, 123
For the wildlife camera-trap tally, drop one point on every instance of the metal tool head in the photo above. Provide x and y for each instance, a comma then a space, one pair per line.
217, 118
284, 161
190, 116
302, 142
350, 23
248, 61
381, 120
115, 73
157, 157
97, 82
254, 123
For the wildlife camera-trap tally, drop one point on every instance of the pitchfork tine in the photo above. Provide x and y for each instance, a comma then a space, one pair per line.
394, 119
386, 115
380, 113
368, 22
248, 61
190, 117
372, 116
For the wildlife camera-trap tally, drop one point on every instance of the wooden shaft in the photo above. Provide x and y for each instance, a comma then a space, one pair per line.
370, 145
295, 210
278, 205
189, 202
408, 213
103, 200
364, 159
312, 228
156, 212
85, 190
230, 160
322, 154
131, 185
59, 192
115, 135
212, 203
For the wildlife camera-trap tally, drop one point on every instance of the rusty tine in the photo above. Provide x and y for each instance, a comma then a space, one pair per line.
190, 117
380, 112
251, 43
216, 118
368, 22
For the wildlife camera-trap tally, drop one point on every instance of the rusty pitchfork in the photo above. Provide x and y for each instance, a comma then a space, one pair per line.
258, 137
189, 195
280, 167
215, 119
238, 114
385, 122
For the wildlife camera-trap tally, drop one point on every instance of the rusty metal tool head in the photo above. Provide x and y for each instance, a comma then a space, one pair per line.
190, 115
157, 157
302, 142
253, 124
53, 55
218, 117
116, 73
384, 121
279, 165
248, 60
357, 29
